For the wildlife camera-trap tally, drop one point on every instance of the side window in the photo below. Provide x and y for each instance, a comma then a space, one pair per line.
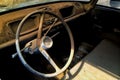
110, 3
115, 3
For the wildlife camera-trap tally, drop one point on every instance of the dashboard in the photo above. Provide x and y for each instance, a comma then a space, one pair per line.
87, 30
10, 21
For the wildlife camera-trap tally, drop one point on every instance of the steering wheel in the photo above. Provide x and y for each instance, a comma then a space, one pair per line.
43, 43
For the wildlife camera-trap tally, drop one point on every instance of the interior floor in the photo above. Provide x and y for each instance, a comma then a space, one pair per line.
102, 61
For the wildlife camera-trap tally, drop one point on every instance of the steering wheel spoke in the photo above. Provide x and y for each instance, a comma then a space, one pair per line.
50, 60
40, 29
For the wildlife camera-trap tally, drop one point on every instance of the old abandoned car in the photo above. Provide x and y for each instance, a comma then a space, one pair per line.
59, 40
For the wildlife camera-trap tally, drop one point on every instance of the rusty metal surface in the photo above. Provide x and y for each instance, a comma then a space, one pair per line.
7, 18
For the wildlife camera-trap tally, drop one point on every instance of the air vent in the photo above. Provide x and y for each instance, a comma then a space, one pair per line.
67, 11
27, 26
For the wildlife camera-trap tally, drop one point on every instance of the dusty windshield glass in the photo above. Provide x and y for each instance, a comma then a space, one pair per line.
12, 4
6, 5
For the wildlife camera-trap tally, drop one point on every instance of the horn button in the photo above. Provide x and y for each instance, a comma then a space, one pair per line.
47, 42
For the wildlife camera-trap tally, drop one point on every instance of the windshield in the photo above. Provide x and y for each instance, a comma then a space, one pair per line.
6, 5
12, 4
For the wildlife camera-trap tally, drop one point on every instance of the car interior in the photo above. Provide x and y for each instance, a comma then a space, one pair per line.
62, 40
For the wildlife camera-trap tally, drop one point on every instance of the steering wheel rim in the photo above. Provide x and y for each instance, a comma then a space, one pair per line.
22, 58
